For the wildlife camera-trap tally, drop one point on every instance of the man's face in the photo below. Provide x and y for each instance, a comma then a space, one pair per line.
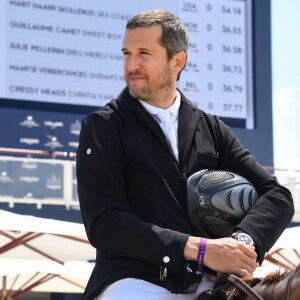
147, 71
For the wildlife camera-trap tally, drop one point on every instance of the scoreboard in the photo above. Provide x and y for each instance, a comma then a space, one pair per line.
69, 52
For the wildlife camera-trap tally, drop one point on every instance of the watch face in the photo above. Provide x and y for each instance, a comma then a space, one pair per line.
245, 238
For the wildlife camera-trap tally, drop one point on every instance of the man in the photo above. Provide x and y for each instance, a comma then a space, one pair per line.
132, 181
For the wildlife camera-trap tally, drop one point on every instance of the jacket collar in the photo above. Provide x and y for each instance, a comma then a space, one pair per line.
189, 118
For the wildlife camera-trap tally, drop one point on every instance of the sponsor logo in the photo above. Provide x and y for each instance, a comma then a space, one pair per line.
73, 144
54, 183
29, 122
53, 124
5, 178
53, 143
28, 196
29, 165
75, 127
29, 179
29, 141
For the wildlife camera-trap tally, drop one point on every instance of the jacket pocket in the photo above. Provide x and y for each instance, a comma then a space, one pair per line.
206, 161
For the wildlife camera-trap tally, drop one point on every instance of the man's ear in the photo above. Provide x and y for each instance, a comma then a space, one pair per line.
179, 60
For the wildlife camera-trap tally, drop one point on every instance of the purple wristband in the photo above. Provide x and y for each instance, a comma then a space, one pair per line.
200, 258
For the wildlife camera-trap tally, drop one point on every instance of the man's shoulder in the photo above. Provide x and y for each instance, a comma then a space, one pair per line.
113, 105
192, 105
114, 110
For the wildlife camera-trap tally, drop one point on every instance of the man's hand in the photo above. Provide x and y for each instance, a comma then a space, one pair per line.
224, 255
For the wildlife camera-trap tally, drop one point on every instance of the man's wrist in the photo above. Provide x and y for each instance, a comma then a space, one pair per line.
191, 248
200, 256
243, 237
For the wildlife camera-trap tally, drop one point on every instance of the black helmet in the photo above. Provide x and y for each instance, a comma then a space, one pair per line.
218, 201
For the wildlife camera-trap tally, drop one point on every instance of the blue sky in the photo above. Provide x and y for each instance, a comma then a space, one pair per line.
286, 82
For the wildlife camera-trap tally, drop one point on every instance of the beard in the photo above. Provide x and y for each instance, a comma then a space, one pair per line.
157, 87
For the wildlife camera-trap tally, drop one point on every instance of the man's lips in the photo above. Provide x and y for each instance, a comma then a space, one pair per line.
136, 78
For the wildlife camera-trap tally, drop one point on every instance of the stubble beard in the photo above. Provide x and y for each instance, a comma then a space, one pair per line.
154, 90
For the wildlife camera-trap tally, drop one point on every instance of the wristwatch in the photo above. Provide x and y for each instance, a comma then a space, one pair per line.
243, 238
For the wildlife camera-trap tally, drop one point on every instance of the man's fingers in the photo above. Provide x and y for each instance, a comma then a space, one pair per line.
248, 258
248, 263
243, 273
249, 251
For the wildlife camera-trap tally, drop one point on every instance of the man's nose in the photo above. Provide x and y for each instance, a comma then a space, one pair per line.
133, 63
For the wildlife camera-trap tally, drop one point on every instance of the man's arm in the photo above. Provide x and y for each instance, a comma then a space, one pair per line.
274, 206
275, 203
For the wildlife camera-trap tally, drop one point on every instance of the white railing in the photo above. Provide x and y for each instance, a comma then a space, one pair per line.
48, 181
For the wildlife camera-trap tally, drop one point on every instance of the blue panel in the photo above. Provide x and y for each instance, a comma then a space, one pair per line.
29, 180
32, 129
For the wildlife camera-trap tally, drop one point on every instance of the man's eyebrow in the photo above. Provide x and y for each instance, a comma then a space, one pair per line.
140, 49
145, 49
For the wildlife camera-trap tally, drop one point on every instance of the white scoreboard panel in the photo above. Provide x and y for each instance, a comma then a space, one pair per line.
70, 52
